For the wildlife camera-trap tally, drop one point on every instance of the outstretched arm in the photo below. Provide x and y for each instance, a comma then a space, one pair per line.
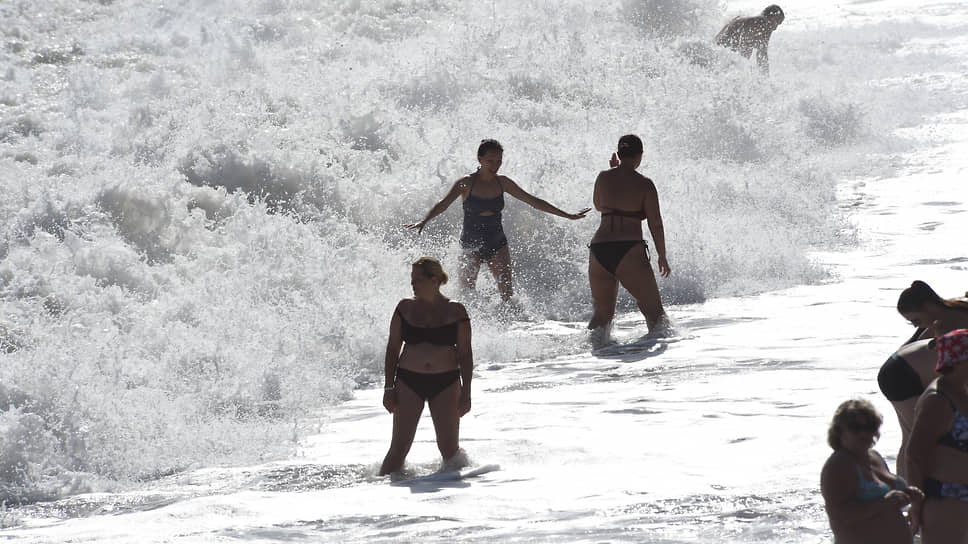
512, 189
654, 218
439, 208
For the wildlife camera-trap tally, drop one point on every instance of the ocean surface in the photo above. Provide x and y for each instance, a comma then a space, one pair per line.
202, 242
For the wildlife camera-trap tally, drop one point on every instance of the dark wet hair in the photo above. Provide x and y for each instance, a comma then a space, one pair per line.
489, 145
847, 413
773, 10
431, 268
920, 294
629, 146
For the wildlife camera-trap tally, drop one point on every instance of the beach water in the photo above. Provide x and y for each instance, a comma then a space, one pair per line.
202, 246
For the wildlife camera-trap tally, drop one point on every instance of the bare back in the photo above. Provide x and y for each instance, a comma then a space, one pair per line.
625, 199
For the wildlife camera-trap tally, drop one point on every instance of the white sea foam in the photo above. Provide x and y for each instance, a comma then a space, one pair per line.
202, 223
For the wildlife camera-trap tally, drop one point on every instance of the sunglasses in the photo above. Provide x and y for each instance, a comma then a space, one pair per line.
856, 427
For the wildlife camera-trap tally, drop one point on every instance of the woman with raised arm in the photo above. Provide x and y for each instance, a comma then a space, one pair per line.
483, 237
618, 253
435, 366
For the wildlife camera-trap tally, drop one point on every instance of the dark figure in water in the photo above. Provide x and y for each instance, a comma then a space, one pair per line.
618, 253
744, 34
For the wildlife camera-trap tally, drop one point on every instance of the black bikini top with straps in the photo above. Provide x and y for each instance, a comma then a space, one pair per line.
444, 335
475, 205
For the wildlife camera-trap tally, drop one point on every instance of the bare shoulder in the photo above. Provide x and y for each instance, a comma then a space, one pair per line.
838, 468
457, 310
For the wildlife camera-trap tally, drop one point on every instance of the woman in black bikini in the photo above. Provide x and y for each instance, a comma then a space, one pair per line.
435, 365
909, 370
483, 236
618, 252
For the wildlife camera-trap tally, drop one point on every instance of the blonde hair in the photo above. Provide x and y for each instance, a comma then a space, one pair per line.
846, 413
432, 268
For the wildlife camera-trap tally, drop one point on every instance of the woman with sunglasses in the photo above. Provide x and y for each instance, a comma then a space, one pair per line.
937, 453
864, 500
909, 370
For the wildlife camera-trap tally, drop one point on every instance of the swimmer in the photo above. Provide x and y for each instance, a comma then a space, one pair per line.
618, 252
435, 366
744, 34
483, 237
937, 453
864, 501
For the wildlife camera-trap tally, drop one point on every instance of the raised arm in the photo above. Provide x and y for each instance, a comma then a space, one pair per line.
465, 360
654, 217
517, 192
394, 343
459, 187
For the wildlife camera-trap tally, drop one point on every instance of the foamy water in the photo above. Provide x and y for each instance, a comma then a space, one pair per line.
203, 245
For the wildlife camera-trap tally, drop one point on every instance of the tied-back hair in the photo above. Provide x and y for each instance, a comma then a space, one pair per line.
846, 413
432, 268
920, 294
489, 145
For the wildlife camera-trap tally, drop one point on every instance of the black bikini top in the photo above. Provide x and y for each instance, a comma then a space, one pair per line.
475, 205
444, 335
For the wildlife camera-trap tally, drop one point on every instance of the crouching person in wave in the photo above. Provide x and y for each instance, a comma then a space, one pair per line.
864, 500
434, 366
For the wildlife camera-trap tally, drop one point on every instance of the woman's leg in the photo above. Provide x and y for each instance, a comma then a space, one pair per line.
469, 264
500, 265
604, 293
636, 275
405, 418
445, 411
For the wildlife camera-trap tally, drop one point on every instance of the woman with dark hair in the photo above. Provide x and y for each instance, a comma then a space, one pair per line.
864, 501
618, 253
920, 305
483, 237
937, 453
435, 366
909, 370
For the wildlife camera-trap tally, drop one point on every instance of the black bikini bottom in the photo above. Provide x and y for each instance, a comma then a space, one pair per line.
935, 489
427, 386
898, 381
609, 254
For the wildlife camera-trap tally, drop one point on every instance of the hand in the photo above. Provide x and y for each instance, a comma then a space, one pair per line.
613, 162
419, 226
664, 269
390, 400
464, 403
579, 215
897, 498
